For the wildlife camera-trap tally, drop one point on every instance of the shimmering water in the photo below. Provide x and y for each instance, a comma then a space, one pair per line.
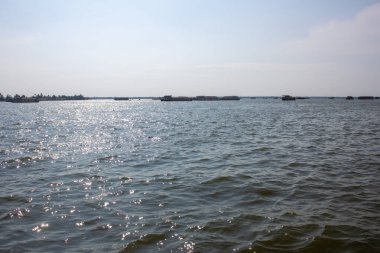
229, 176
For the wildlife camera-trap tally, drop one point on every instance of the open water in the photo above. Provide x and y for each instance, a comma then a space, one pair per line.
255, 175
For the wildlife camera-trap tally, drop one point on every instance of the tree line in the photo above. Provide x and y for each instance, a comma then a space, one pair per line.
42, 97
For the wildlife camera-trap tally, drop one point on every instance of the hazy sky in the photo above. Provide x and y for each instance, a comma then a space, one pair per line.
193, 47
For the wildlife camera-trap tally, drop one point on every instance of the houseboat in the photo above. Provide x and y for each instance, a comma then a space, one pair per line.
288, 98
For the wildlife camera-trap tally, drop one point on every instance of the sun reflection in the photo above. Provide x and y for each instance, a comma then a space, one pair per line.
189, 246
40, 227
125, 235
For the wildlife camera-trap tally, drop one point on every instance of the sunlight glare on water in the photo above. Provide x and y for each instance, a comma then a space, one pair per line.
257, 175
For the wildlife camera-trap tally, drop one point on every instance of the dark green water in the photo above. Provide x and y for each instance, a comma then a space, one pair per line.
226, 176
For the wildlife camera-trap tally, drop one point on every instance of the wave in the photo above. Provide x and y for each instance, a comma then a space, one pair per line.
23, 160
265, 192
13, 198
314, 238
219, 180
106, 158
145, 240
15, 213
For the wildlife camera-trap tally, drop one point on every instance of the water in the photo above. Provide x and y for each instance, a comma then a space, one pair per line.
257, 175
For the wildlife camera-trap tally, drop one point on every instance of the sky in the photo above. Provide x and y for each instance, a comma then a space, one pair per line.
189, 48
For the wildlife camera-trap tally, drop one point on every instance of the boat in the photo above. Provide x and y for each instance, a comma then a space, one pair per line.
206, 98
230, 98
349, 98
121, 98
288, 98
171, 98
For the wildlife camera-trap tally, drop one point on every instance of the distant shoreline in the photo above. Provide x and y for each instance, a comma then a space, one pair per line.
40, 98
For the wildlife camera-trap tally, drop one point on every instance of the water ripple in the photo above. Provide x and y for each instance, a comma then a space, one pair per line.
233, 176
